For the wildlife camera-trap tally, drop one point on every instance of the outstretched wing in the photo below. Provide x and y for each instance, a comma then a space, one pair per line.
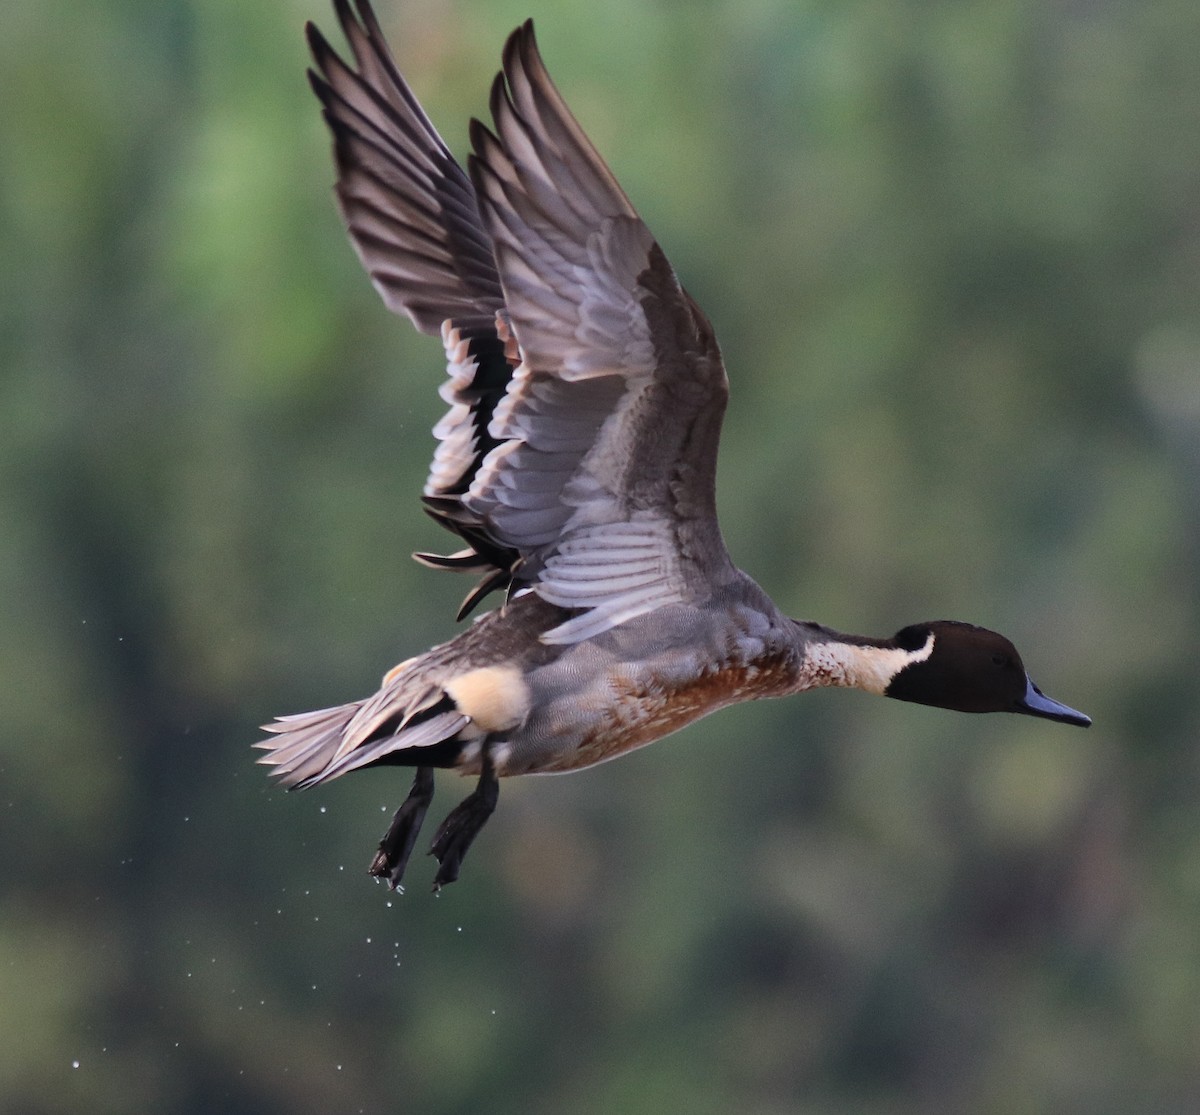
409, 207
604, 481
586, 387
412, 217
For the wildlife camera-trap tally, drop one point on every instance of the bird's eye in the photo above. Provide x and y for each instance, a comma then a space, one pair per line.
999, 659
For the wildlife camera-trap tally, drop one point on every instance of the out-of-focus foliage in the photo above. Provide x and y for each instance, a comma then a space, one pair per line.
953, 254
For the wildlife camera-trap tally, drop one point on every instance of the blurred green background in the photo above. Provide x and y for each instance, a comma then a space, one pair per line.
952, 251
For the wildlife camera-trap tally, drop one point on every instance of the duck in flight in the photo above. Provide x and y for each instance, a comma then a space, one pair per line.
576, 465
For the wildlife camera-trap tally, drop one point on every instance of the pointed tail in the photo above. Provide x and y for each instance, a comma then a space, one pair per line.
313, 747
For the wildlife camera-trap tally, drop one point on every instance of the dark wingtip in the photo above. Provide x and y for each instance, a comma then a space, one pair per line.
531, 56
366, 15
344, 15
512, 45
490, 583
318, 46
527, 38
319, 86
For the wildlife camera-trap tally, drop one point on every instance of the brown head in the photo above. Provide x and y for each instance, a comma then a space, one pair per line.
970, 669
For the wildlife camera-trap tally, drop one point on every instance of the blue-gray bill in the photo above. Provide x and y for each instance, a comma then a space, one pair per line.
1036, 703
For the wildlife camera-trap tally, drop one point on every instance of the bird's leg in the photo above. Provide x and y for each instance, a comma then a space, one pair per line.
463, 823
397, 843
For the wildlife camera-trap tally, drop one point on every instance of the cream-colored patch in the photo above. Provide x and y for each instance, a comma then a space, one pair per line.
868, 668
496, 698
396, 671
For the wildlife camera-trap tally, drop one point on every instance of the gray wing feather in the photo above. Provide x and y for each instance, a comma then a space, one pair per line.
586, 389
616, 406
408, 205
414, 222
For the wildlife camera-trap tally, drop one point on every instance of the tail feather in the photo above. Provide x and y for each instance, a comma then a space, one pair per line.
312, 747
424, 734
304, 744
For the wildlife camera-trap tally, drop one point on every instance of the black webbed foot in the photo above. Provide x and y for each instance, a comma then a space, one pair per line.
397, 844
462, 825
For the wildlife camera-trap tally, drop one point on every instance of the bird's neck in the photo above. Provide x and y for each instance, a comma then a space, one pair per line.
855, 661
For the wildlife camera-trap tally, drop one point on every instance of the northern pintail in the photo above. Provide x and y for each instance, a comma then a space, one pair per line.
577, 463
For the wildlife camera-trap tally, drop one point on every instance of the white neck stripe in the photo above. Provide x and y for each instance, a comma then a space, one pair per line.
860, 667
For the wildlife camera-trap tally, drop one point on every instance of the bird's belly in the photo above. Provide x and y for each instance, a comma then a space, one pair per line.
625, 712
